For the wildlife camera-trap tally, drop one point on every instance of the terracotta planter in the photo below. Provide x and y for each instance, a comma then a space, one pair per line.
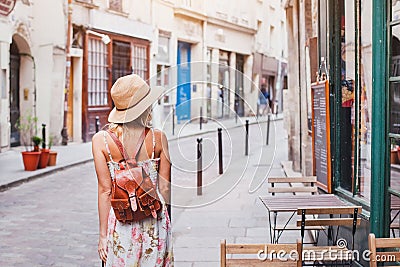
31, 160
44, 158
394, 156
398, 155
52, 158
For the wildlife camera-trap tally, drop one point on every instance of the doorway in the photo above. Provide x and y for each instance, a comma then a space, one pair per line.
239, 92
184, 88
15, 62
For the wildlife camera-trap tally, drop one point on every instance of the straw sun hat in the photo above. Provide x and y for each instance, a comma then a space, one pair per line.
132, 96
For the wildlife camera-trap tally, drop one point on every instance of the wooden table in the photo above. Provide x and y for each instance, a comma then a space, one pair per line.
290, 204
394, 207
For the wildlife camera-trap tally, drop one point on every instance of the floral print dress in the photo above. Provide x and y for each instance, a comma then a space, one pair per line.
146, 243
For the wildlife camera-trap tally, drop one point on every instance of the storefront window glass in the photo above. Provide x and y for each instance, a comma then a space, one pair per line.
356, 104
394, 113
97, 73
348, 77
363, 183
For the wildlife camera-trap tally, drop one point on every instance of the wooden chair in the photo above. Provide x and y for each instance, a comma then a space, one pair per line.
308, 186
334, 218
289, 188
383, 256
278, 255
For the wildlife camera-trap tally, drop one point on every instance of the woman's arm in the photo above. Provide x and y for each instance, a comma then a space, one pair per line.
104, 191
164, 170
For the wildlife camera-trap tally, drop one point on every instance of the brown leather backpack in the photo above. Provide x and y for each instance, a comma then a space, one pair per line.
133, 195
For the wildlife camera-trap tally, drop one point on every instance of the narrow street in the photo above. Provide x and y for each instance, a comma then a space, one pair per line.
52, 221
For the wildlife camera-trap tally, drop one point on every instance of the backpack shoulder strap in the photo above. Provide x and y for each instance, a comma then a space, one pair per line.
119, 144
140, 142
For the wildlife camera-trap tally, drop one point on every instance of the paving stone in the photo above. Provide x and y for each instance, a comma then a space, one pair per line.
257, 231
183, 264
207, 264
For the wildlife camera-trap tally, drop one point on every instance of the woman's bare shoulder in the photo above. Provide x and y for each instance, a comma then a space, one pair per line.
159, 134
98, 140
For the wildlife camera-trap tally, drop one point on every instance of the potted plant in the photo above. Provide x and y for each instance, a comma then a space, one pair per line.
36, 142
44, 156
27, 128
52, 153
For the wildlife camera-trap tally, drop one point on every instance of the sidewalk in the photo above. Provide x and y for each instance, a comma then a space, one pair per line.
239, 216
11, 163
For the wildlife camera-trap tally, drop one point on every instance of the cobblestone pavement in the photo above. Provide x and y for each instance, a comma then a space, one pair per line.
52, 221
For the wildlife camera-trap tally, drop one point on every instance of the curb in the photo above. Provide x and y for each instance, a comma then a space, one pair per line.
5, 187
211, 131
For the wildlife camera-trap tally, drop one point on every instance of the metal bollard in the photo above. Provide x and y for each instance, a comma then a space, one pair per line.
173, 120
258, 110
199, 167
246, 153
221, 169
97, 123
236, 111
43, 135
268, 122
201, 118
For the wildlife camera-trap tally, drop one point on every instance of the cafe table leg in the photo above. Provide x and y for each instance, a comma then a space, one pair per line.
270, 226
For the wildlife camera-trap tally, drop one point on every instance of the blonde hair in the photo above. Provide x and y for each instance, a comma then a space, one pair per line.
144, 120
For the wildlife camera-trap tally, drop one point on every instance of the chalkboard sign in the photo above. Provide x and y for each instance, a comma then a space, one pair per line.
321, 134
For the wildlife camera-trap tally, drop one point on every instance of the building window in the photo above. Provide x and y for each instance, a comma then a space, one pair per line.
163, 74
139, 60
355, 89
394, 98
97, 73
272, 39
116, 5
163, 50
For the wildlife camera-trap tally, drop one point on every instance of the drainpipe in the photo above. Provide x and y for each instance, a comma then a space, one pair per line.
300, 99
64, 132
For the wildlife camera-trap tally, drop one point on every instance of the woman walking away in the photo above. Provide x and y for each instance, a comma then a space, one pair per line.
134, 173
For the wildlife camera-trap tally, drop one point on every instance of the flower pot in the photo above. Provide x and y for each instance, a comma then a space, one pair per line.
44, 158
52, 158
31, 160
394, 156
398, 155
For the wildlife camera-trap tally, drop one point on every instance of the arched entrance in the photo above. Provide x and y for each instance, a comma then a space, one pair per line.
22, 90
15, 61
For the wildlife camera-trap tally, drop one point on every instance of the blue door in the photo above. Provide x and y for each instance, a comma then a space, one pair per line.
184, 88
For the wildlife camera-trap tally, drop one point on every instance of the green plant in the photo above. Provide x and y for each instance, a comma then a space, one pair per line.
27, 125
36, 140
51, 141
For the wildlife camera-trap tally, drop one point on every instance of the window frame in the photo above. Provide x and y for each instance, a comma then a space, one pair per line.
108, 83
120, 8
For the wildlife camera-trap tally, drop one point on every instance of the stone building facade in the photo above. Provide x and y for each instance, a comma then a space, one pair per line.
192, 48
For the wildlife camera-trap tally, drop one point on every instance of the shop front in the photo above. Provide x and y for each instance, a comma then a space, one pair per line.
357, 50
105, 60
364, 82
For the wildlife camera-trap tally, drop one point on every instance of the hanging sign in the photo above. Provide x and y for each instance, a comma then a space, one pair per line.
321, 134
6, 6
